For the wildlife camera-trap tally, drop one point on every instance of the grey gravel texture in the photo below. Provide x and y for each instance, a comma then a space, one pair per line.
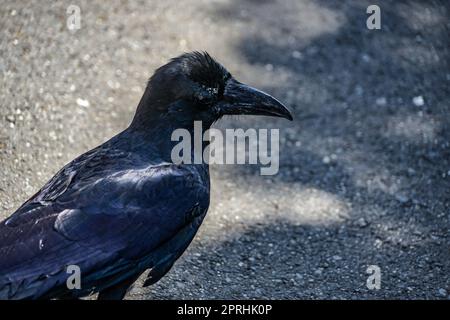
365, 167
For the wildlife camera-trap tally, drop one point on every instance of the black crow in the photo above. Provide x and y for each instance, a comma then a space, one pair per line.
124, 207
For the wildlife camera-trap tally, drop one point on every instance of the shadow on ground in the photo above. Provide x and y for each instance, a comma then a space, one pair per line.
289, 261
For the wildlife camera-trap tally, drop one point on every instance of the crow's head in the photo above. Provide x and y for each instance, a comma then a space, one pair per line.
194, 86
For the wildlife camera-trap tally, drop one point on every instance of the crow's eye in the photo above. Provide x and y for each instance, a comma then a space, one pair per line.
213, 91
206, 95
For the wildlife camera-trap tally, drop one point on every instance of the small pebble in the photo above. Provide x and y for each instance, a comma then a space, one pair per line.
442, 292
401, 198
365, 57
269, 67
296, 55
381, 101
83, 103
361, 222
418, 101
10, 118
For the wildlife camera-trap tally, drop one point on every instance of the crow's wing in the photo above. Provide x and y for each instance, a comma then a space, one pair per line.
108, 226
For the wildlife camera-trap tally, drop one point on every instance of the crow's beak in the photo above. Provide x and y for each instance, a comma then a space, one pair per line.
239, 98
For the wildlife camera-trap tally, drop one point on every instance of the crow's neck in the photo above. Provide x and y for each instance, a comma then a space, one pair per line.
152, 131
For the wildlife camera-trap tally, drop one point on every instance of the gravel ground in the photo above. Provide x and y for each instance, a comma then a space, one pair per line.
365, 167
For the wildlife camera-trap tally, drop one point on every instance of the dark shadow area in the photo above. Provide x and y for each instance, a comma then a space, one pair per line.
279, 259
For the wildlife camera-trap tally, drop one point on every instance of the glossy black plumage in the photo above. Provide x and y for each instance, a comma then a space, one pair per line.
123, 207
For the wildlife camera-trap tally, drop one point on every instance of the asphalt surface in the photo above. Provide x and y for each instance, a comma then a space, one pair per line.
364, 169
